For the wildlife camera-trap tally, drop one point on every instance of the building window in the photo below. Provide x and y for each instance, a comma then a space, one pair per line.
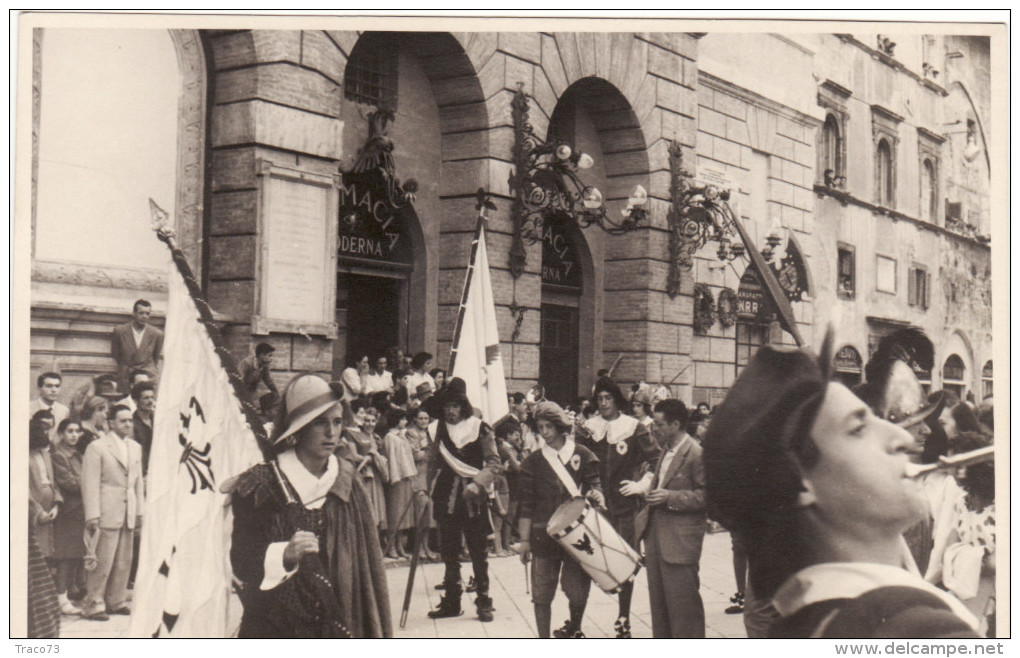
845, 285
833, 174
750, 336
928, 201
885, 274
371, 74
884, 167
919, 287
986, 381
954, 375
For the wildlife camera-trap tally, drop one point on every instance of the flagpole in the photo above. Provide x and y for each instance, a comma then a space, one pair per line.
467, 279
166, 235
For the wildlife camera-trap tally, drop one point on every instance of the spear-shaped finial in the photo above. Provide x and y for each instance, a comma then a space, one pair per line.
160, 221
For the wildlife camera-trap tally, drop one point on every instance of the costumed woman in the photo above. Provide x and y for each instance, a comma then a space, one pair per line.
304, 543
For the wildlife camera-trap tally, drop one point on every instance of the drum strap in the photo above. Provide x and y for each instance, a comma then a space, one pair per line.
560, 470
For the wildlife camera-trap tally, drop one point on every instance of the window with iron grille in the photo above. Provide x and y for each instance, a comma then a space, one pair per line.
919, 287
371, 74
845, 285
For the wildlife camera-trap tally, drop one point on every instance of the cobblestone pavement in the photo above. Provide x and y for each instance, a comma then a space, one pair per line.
513, 615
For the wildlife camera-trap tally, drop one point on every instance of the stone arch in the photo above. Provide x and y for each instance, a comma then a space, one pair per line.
959, 343
957, 85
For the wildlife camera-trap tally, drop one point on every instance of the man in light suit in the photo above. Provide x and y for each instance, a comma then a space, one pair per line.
673, 527
112, 492
137, 344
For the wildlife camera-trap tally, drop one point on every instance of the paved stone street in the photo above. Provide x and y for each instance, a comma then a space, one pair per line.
514, 616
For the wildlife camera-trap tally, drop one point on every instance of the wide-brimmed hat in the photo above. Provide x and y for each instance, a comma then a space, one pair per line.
306, 398
454, 391
106, 387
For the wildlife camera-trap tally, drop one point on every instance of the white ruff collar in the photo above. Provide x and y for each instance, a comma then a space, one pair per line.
837, 580
564, 454
464, 432
310, 489
613, 431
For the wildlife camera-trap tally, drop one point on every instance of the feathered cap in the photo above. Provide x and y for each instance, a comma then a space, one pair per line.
892, 389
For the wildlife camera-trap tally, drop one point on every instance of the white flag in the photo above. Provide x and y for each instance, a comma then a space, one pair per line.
476, 353
200, 439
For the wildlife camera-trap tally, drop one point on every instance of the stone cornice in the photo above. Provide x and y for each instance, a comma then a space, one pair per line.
931, 135
894, 63
753, 98
83, 274
836, 88
849, 199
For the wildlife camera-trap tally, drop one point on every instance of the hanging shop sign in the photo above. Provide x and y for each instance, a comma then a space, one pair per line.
560, 265
752, 302
371, 226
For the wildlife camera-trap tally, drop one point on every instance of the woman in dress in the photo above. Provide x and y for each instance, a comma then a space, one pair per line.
44, 496
69, 528
439, 377
399, 453
372, 465
304, 544
418, 436
93, 421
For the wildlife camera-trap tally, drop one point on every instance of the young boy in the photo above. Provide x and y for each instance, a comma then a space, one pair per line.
544, 487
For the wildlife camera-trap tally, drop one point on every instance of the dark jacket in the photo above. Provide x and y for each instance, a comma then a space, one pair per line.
542, 492
617, 464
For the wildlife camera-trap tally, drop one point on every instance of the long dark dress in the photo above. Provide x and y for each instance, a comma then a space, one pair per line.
341, 590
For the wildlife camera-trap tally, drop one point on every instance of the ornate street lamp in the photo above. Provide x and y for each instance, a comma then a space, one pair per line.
545, 182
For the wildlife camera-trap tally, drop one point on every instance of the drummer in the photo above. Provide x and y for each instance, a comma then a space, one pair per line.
627, 453
549, 477
817, 484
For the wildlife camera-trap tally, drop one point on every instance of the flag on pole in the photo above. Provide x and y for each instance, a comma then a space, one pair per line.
201, 438
475, 356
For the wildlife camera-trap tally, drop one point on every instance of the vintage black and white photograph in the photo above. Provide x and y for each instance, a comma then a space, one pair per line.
381, 327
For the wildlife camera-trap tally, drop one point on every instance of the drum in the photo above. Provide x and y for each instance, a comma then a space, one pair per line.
591, 541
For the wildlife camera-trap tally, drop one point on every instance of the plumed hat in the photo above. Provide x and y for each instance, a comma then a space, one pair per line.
892, 389
454, 391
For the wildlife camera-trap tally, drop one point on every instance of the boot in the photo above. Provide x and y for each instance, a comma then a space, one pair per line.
449, 604
622, 628
568, 631
66, 607
483, 603
738, 604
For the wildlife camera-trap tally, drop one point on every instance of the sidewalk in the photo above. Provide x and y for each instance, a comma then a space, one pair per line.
513, 616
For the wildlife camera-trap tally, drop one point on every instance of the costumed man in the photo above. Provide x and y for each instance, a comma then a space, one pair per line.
626, 453
463, 466
819, 485
673, 527
558, 472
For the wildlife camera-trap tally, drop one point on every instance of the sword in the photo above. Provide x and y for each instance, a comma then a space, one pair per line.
419, 536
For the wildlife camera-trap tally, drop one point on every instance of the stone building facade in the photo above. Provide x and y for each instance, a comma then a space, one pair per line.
301, 102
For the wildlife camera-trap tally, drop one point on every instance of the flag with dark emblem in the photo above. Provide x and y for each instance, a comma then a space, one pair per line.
475, 357
202, 436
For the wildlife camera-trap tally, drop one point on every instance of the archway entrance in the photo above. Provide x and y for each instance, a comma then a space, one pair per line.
375, 258
562, 285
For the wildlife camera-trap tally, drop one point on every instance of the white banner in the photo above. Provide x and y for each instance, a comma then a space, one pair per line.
478, 361
200, 439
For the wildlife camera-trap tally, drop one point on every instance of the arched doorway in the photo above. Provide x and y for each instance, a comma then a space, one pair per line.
954, 376
562, 289
375, 258
848, 366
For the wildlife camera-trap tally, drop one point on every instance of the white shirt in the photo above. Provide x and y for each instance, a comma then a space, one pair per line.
667, 459
309, 488
836, 580
137, 333
375, 382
